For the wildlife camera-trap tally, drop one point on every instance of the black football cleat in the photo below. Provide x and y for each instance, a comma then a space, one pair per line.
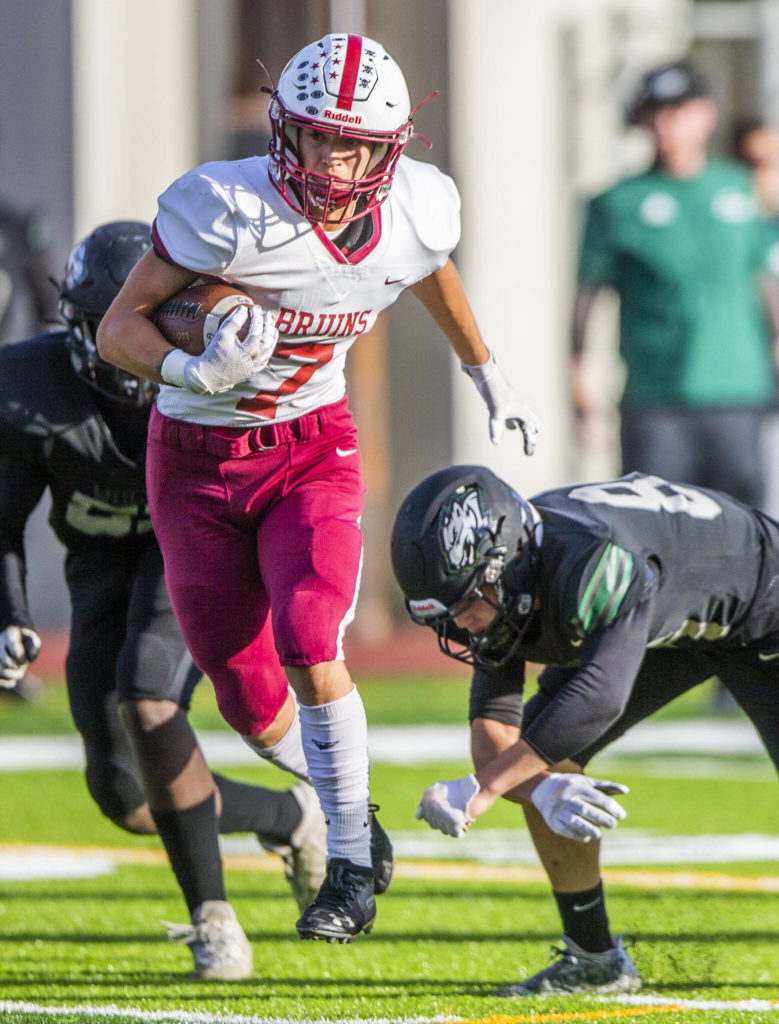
381, 853
577, 972
344, 906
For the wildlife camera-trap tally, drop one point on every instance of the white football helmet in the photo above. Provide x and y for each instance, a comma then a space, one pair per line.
345, 85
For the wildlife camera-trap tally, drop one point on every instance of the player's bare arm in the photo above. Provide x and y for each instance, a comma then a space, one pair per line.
127, 336
133, 342
518, 768
443, 295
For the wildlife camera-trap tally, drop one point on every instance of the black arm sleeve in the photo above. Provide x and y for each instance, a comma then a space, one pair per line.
594, 696
21, 487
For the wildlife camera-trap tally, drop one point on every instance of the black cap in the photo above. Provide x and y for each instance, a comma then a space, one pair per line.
667, 85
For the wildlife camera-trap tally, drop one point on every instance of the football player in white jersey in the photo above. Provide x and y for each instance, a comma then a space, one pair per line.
254, 475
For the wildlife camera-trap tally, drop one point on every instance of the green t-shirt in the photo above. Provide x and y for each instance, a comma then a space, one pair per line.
685, 257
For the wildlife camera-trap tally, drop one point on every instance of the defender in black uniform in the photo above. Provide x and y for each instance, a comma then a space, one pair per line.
74, 424
632, 592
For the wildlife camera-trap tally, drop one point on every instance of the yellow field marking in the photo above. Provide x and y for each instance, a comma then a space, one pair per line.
645, 879
441, 871
201, 1017
620, 1013
142, 855
549, 1018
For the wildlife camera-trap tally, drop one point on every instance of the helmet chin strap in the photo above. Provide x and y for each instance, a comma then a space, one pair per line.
493, 575
514, 608
513, 618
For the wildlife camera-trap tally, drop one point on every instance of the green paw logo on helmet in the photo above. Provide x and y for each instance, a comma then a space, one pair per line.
464, 526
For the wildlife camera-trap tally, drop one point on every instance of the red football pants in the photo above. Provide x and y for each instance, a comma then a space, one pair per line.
260, 533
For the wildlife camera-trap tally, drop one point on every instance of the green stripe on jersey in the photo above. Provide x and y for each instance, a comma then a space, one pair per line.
603, 595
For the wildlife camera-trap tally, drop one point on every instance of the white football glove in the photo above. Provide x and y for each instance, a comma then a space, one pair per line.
577, 807
445, 805
503, 403
227, 360
18, 647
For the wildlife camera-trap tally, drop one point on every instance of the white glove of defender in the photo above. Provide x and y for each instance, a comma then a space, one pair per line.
503, 403
227, 360
445, 805
574, 806
18, 647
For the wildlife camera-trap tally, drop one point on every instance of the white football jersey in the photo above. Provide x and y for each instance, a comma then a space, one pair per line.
226, 220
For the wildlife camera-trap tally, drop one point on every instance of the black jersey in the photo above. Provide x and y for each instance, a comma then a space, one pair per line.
53, 434
710, 561
625, 567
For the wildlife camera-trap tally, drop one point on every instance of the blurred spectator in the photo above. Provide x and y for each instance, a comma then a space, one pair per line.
685, 247
27, 297
755, 144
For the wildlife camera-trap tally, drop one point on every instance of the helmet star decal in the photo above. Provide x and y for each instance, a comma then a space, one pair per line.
344, 86
464, 527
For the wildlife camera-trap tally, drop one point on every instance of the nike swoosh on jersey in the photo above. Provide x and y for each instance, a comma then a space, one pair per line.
327, 745
394, 280
343, 452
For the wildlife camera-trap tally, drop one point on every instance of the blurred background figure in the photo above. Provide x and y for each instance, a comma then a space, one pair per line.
686, 247
755, 144
27, 298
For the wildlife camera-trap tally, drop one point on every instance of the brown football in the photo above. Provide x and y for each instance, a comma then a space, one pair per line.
190, 318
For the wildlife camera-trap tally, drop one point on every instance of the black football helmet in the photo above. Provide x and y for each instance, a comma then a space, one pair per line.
455, 532
95, 271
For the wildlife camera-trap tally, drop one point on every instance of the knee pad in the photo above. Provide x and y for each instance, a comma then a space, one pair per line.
309, 627
249, 696
116, 791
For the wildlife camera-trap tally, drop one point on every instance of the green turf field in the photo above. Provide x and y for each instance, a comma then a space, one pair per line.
448, 932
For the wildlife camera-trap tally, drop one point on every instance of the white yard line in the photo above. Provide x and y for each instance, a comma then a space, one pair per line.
632, 1005
422, 744
194, 1016
103, 859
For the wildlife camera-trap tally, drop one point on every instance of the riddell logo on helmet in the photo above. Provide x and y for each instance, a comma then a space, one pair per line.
427, 607
332, 115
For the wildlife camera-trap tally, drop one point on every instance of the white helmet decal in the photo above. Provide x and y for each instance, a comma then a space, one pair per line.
464, 525
344, 85
345, 73
348, 80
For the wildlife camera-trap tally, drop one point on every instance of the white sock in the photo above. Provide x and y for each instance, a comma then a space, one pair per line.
335, 741
287, 753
